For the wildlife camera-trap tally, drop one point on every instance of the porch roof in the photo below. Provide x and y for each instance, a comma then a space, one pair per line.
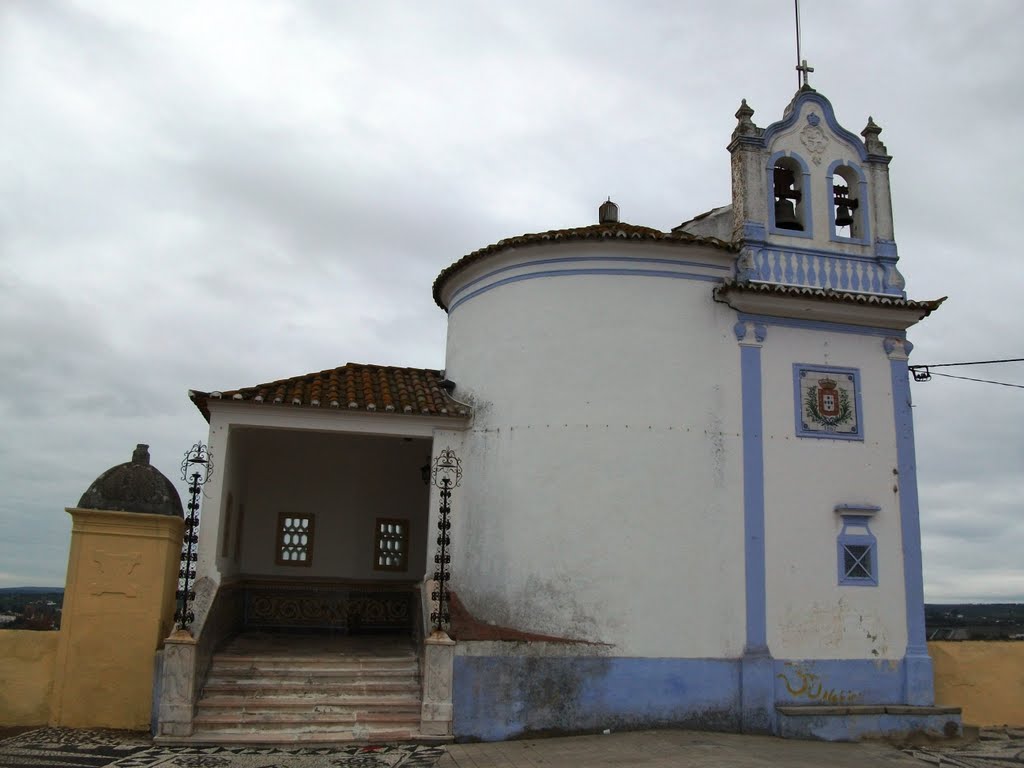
352, 387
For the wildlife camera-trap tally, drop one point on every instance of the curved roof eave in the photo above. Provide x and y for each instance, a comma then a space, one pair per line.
593, 232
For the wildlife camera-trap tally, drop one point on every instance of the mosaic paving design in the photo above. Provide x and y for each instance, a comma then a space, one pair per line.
995, 748
66, 748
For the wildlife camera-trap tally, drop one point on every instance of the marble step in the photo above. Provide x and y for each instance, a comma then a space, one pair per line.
315, 701
223, 665
310, 735
264, 686
275, 719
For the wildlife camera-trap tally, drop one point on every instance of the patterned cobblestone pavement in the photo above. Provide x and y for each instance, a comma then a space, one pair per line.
995, 748
68, 748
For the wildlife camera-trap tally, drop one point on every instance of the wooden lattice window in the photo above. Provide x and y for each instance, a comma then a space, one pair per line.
295, 539
392, 544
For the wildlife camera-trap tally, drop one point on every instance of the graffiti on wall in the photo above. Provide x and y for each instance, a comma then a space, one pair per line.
809, 686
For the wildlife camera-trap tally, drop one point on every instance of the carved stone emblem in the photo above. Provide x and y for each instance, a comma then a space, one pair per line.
113, 574
812, 137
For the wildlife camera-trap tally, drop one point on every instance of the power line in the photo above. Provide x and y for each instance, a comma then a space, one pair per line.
924, 373
968, 378
976, 362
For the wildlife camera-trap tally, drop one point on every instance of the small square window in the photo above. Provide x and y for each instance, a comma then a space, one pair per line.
391, 552
295, 539
857, 561
858, 552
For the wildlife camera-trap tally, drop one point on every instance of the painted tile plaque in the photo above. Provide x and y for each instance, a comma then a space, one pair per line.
827, 401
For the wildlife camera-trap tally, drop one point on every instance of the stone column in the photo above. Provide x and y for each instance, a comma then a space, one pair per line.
439, 662
177, 686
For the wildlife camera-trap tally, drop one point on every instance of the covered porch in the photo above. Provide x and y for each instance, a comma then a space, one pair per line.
315, 523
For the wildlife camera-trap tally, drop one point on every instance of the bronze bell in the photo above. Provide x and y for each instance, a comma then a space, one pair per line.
785, 215
844, 217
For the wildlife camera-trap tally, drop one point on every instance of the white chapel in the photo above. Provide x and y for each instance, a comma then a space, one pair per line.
679, 487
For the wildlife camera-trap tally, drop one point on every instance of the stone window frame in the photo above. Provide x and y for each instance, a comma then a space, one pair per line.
284, 528
857, 517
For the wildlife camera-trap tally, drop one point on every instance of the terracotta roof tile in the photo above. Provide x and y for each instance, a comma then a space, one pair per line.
826, 294
599, 232
354, 387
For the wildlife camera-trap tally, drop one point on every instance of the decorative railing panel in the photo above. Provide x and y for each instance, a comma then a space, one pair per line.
342, 608
196, 469
820, 271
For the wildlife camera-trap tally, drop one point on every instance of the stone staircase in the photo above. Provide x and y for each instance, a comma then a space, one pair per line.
277, 689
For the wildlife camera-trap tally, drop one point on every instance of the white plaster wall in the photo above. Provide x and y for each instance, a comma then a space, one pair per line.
602, 495
809, 616
347, 481
214, 495
233, 489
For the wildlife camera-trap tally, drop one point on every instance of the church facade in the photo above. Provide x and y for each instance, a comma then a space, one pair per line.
687, 492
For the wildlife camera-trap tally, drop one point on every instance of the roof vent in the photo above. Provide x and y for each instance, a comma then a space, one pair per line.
608, 213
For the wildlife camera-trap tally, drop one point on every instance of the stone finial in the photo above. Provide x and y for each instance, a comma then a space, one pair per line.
141, 454
871, 141
135, 486
744, 125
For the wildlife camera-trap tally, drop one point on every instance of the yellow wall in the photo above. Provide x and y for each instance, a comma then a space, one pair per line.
986, 678
26, 672
118, 608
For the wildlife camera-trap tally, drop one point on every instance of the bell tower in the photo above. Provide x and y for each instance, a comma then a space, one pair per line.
810, 201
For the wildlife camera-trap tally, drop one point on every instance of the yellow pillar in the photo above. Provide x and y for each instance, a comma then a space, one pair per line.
118, 608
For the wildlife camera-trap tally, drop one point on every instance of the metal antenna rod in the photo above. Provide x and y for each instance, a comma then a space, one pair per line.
796, 7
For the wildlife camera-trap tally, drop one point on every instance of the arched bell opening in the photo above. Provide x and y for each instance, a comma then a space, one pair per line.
846, 204
788, 195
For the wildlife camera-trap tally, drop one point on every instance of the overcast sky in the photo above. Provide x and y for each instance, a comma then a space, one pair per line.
210, 195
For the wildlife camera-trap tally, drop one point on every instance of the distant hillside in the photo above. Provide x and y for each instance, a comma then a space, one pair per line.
31, 590
974, 621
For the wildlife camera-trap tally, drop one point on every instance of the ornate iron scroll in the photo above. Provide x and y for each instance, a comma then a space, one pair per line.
196, 469
446, 474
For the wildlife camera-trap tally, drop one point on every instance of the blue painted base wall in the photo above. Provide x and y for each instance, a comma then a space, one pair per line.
505, 697
838, 682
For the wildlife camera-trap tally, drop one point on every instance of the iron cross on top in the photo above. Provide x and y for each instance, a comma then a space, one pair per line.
804, 69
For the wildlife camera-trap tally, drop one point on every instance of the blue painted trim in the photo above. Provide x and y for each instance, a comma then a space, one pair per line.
753, 497
918, 684
848, 539
803, 430
885, 250
820, 252
834, 682
575, 272
793, 114
861, 211
502, 697
804, 211
578, 259
754, 231
819, 325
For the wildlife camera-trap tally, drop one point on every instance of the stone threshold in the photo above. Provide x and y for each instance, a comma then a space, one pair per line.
814, 710
280, 739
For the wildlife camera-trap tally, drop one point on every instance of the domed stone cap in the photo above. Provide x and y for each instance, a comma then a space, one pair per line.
135, 486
